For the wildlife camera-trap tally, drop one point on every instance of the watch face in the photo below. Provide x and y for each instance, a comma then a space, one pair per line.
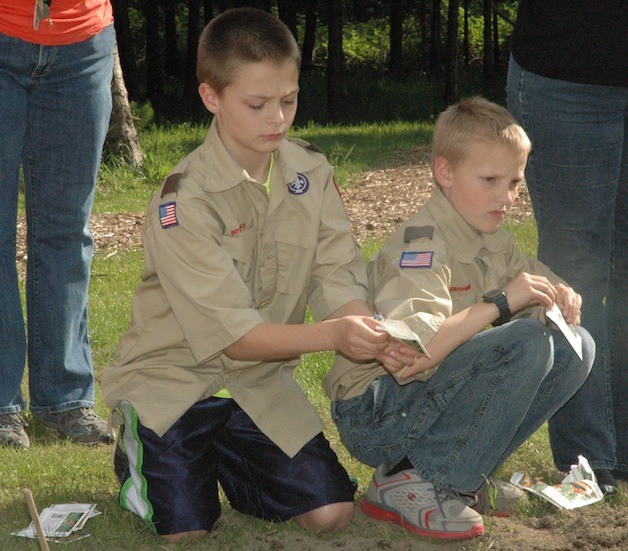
494, 294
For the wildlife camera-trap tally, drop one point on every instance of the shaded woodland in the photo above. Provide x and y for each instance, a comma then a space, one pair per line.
444, 43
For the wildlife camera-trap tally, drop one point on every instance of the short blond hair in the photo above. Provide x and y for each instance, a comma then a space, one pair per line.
239, 36
474, 120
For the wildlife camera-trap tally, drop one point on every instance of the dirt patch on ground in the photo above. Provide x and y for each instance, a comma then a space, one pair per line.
594, 528
377, 202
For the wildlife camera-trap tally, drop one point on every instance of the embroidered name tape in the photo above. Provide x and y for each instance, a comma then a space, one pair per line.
168, 215
416, 259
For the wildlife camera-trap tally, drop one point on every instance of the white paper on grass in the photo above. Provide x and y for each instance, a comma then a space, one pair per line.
578, 488
61, 520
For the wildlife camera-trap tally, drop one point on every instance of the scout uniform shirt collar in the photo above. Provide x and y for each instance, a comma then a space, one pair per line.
223, 172
465, 241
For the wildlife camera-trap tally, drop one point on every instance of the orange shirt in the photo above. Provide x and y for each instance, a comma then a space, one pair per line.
72, 21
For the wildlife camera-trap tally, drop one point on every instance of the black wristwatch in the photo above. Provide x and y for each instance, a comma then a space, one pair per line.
499, 298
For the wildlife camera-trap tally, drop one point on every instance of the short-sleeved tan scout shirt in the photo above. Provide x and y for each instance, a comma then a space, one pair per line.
221, 256
432, 267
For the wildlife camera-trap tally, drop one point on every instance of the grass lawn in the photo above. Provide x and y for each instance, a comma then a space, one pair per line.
61, 472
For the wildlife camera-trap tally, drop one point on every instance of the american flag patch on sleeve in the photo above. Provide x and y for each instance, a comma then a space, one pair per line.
416, 259
168, 215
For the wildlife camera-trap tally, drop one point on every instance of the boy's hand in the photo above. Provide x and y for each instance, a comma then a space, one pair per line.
527, 289
358, 337
569, 302
398, 356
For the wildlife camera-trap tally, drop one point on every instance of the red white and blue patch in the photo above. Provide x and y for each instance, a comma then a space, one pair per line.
300, 185
168, 215
416, 259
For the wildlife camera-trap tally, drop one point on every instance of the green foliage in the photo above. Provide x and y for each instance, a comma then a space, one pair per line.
527, 235
143, 114
476, 30
353, 148
350, 149
370, 248
113, 281
367, 43
125, 188
371, 98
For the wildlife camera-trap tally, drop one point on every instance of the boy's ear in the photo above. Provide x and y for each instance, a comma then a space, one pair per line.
443, 172
208, 97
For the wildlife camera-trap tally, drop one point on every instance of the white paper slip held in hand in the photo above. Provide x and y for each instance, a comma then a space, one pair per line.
573, 337
400, 330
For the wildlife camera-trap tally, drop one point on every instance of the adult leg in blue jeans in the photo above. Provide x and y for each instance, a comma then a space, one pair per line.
618, 316
54, 115
577, 178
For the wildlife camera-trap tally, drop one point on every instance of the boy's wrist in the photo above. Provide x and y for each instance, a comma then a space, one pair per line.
499, 298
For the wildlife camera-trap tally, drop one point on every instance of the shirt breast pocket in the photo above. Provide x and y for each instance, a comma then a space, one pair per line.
295, 248
241, 249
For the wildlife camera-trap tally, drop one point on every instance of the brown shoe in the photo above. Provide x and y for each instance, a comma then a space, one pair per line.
12, 431
81, 425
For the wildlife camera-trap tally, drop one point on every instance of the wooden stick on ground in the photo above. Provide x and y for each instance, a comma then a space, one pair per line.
32, 509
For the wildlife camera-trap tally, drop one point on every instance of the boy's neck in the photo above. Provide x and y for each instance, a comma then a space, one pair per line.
259, 170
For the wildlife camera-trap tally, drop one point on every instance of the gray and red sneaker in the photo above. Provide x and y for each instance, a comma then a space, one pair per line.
406, 499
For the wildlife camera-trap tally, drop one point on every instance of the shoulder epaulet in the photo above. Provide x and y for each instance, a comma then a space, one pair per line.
171, 185
417, 232
314, 148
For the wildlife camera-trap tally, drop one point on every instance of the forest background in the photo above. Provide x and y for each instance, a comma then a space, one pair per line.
363, 60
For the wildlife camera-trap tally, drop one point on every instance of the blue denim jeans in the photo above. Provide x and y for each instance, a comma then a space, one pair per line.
484, 401
54, 115
577, 175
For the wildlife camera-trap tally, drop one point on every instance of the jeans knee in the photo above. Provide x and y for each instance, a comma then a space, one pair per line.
532, 340
588, 352
588, 345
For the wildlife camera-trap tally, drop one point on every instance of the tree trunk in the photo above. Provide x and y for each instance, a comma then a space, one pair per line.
434, 61
125, 47
496, 50
423, 30
208, 11
154, 62
288, 14
396, 37
171, 55
451, 63
265, 5
190, 85
489, 59
466, 40
335, 62
309, 35
122, 138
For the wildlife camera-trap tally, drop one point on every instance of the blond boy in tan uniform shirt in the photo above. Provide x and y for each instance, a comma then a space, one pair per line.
438, 430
